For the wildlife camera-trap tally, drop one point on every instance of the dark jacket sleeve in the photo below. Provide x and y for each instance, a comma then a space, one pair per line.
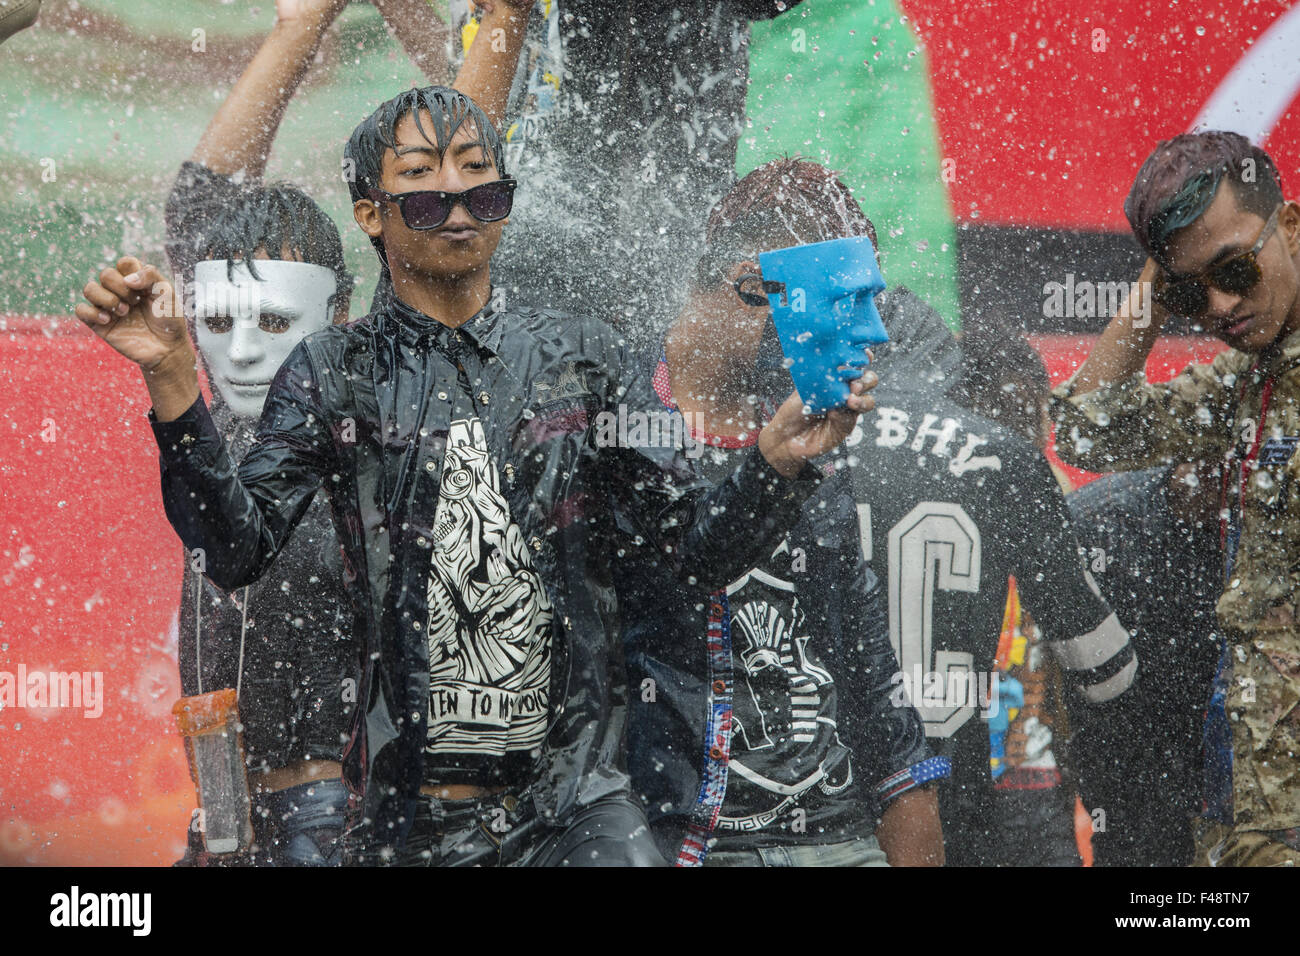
708, 534
235, 521
1089, 641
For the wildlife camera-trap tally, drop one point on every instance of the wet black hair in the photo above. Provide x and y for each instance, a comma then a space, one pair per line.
787, 201
448, 109
273, 218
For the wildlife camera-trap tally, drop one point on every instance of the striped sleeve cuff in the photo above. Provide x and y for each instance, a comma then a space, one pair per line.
1100, 663
919, 774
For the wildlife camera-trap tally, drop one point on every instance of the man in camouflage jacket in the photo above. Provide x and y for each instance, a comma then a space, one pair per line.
1224, 251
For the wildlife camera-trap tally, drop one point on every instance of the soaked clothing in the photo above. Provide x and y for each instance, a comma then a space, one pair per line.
292, 633
505, 830
1162, 576
1033, 827
1033, 805
1218, 844
302, 825
952, 505
622, 129
1245, 409
760, 714
490, 619
368, 411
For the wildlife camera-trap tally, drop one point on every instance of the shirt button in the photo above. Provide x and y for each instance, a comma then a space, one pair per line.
483, 398
509, 802
715, 753
430, 466
422, 542
443, 396
719, 687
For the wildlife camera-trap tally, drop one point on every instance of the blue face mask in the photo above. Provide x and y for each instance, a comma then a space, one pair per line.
822, 297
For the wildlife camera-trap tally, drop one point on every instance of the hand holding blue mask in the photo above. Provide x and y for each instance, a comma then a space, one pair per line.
822, 297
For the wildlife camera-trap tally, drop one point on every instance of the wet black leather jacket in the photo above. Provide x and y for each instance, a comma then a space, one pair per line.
362, 410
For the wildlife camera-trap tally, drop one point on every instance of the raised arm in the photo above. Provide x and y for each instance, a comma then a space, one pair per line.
238, 521
1109, 417
1089, 641
490, 61
711, 534
422, 34
1121, 350
240, 135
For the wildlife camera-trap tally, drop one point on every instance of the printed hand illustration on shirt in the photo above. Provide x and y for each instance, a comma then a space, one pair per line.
488, 609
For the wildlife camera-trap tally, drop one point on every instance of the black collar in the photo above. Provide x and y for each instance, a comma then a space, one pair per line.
418, 330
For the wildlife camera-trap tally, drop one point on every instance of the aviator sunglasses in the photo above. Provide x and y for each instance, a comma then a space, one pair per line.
429, 208
1190, 297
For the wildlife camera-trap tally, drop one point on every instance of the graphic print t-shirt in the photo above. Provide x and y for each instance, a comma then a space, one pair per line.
785, 743
489, 625
951, 506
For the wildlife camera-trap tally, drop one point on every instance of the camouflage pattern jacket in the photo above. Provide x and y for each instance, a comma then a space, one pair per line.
1244, 409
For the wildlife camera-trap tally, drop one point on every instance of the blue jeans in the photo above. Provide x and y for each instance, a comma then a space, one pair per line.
505, 830
865, 852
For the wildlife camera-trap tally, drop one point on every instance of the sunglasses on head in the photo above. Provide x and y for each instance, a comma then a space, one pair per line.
1190, 297
429, 208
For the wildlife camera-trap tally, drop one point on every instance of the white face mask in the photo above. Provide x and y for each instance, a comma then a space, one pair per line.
247, 327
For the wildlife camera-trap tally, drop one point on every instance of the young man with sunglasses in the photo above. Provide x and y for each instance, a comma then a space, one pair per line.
478, 515
1224, 248
262, 266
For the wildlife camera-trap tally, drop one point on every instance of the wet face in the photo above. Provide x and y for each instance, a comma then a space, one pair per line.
1271, 309
462, 244
246, 327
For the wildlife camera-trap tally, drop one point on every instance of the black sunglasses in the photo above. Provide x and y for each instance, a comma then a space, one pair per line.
1190, 297
429, 208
